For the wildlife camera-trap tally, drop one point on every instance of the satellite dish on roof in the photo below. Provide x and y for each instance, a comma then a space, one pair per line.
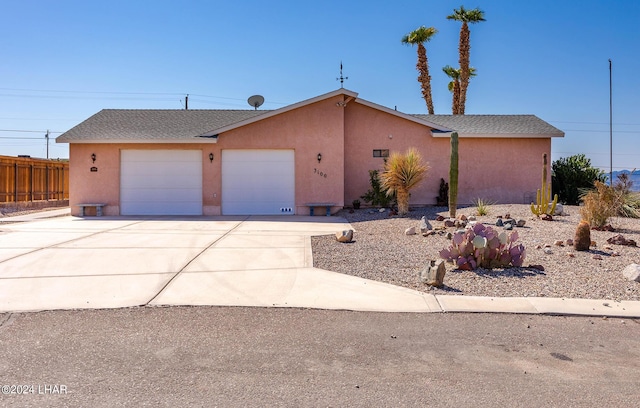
256, 101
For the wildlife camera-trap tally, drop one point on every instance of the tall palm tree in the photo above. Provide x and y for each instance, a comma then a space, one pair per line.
420, 36
402, 172
454, 85
466, 17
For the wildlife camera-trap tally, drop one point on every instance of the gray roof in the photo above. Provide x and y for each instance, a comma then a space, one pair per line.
153, 124
494, 124
159, 124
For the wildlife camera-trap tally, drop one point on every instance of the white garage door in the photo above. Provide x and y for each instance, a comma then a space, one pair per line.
161, 182
258, 182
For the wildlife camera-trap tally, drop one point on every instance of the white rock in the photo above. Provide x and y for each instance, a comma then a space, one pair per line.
632, 272
410, 231
344, 236
382, 210
559, 209
548, 251
425, 225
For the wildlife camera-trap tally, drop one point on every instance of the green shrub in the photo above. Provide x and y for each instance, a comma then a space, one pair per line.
377, 196
571, 175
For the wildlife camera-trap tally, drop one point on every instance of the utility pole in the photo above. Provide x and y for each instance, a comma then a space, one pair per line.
186, 102
610, 128
47, 137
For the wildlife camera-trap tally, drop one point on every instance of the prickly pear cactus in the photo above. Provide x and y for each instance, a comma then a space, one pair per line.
481, 246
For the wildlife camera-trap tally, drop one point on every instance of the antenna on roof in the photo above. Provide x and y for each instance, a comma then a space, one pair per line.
342, 78
256, 101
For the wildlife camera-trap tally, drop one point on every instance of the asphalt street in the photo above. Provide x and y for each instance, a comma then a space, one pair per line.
255, 357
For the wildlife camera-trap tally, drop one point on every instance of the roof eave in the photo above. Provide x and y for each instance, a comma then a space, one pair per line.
498, 135
191, 140
282, 110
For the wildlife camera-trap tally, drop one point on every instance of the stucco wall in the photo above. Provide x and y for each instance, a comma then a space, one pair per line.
103, 186
309, 130
503, 170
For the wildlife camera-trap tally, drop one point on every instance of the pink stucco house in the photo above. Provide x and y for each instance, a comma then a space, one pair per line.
234, 162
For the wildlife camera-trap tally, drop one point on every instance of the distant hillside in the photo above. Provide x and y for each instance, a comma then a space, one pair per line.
635, 177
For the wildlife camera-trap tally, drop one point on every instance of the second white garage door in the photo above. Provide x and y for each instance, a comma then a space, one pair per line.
161, 182
258, 182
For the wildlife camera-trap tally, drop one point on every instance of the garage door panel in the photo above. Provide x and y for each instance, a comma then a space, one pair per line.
258, 182
160, 208
161, 182
257, 194
173, 195
147, 182
153, 168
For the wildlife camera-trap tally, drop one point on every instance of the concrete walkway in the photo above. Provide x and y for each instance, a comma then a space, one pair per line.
70, 263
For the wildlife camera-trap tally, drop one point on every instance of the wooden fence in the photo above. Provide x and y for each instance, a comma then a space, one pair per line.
25, 180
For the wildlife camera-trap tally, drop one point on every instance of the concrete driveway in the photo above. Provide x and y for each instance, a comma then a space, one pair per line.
69, 263
76, 263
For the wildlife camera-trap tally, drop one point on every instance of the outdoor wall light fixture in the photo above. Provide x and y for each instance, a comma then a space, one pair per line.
211, 157
319, 157
93, 157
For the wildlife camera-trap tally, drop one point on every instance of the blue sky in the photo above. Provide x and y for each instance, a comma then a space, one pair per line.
62, 61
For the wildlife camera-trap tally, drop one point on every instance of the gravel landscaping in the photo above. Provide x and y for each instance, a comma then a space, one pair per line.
381, 251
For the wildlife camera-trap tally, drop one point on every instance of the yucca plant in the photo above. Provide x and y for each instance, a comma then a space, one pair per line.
402, 172
482, 206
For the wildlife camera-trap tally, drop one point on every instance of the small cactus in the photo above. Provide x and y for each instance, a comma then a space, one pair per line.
582, 239
544, 195
453, 176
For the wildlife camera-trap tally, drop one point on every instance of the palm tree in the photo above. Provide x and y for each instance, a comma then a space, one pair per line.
466, 17
402, 172
419, 37
454, 85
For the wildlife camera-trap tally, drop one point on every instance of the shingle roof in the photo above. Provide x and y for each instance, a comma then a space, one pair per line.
157, 125
152, 124
494, 124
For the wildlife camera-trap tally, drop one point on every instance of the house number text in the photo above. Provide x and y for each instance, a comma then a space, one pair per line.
320, 173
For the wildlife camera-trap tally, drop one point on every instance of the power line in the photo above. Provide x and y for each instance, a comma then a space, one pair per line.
601, 131
26, 131
92, 92
595, 123
113, 93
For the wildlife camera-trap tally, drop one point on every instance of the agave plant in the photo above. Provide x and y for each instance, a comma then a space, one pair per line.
482, 246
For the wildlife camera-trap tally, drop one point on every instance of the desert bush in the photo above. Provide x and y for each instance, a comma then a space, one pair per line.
600, 205
630, 201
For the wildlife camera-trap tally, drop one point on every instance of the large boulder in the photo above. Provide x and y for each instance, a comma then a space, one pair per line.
632, 272
344, 236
